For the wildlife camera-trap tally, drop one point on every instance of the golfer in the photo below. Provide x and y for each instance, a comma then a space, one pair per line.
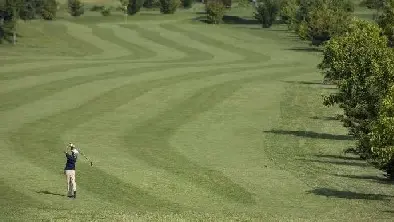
69, 171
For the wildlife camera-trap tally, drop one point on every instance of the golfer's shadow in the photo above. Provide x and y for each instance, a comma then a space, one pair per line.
48, 192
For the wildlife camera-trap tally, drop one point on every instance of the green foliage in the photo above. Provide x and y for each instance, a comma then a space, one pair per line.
30, 9
123, 6
361, 65
226, 3
288, 10
49, 10
372, 4
326, 22
97, 8
243, 3
169, 6
382, 136
106, 11
151, 4
134, 6
187, 3
386, 21
266, 12
320, 20
215, 10
75, 7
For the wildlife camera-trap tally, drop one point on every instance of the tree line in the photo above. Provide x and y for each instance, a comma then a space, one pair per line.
358, 58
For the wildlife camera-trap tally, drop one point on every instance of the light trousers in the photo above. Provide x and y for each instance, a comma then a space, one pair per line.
71, 184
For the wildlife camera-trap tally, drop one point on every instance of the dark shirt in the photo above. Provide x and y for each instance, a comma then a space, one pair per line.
71, 160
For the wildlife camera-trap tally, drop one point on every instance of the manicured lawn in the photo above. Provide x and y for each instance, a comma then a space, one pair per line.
183, 121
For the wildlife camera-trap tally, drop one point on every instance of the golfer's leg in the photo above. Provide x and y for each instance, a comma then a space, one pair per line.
73, 181
68, 178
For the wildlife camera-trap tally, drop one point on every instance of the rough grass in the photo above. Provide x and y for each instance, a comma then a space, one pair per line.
183, 121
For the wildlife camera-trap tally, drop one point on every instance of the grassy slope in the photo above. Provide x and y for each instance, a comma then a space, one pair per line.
183, 121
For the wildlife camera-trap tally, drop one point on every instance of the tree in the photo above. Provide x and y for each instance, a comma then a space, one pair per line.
325, 22
49, 9
266, 12
187, 3
288, 10
382, 136
75, 7
9, 14
386, 20
169, 6
215, 11
361, 65
134, 6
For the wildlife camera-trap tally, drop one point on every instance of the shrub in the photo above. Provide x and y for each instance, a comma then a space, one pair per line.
187, 3
106, 11
360, 63
49, 9
326, 22
288, 10
386, 21
169, 6
215, 11
134, 6
266, 12
97, 8
30, 9
382, 136
227, 3
75, 7
372, 4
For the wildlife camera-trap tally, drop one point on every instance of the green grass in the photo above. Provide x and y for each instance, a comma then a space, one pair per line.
184, 121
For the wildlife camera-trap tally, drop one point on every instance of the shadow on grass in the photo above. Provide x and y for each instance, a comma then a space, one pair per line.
348, 194
338, 157
330, 118
228, 19
310, 134
305, 82
50, 193
377, 179
343, 163
306, 49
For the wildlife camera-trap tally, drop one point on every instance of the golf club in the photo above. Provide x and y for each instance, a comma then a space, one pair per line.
80, 151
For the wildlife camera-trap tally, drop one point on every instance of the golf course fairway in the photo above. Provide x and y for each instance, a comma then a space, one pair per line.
184, 121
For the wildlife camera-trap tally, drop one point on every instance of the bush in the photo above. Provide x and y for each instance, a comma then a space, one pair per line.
372, 4
360, 63
151, 4
326, 22
187, 3
215, 11
382, 136
266, 12
97, 8
386, 21
134, 6
30, 9
75, 7
106, 11
169, 6
49, 10
288, 10
227, 3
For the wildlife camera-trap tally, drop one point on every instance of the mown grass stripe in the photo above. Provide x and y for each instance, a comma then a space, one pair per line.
192, 54
18, 97
137, 51
249, 56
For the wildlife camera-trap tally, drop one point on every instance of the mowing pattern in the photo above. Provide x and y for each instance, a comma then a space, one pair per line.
171, 114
